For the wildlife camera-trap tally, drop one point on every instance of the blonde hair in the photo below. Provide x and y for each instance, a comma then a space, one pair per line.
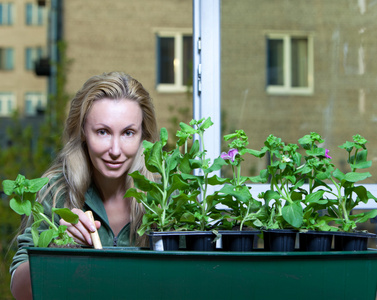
73, 161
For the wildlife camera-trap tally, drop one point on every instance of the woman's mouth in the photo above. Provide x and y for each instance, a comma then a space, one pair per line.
113, 164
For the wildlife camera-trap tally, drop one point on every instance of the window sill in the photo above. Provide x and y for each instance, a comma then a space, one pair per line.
289, 91
171, 88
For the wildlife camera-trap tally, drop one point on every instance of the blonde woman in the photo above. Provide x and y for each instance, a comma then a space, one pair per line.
108, 120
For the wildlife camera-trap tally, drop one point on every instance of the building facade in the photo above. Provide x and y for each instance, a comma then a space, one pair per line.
23, 40
150, 40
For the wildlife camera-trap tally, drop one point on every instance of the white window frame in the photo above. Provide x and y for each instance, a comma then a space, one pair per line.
7, 99
7, 14
37, 100
286, 88
178, 35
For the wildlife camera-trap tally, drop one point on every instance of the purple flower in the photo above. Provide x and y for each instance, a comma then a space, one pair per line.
231, 155
327, 154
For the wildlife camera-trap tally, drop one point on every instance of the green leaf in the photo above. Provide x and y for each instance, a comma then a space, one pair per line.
8, 187
362, 193
187, 128
217, 165
187, 217
141, 182
293, 214
45, 238
355, 177
163, 136
338, 175
362, 165
368, 215
66, 214
314, 197
37, 184
154, 158
316, 152
133, 193
206, 124
172, 161
269, 195
35, 232
20, 207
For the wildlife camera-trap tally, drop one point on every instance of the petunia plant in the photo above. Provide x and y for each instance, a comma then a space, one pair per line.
23, 202
236, 194
196, 169
164, 199
317, 170
173, 202
282, 201
347, 193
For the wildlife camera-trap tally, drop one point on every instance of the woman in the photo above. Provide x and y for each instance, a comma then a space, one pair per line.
108, 120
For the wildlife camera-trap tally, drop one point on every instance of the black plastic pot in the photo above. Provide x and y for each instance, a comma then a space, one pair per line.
200, 241
352, 241
238, 240
316, 241
164, 241
280, 240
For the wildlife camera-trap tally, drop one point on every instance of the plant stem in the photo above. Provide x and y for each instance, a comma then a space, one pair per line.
49, 222
164, 195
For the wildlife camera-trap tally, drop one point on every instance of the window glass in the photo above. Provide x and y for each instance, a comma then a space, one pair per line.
299, 62
6, 59
6, 13
166, 60
187, 60
275, 66
29, 14
34, 14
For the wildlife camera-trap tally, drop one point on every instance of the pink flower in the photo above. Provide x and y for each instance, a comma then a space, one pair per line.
327, 155
231, 155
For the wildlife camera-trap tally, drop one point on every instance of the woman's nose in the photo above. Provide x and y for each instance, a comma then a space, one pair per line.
115, 147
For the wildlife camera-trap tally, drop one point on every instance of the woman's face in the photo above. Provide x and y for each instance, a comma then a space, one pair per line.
113, 131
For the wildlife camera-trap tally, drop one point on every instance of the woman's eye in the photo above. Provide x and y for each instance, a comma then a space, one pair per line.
129, 133
102, 132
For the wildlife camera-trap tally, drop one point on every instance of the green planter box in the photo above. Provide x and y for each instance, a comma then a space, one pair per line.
132, 273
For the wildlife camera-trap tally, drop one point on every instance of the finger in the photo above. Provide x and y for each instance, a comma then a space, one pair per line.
83, 227
86, 222
76, 234
98, 224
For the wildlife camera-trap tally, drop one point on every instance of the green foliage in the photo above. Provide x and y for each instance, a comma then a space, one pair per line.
23, 192
282, 208
288, 205
236, 195
172, 204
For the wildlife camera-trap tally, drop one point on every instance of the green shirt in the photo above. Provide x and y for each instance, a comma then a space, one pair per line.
94, 203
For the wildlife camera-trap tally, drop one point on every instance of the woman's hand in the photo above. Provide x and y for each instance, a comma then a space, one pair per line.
81, 231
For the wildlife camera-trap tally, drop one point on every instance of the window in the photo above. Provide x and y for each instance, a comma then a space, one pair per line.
7, 104
34, 14
6, 13
289, 64
174, 62
32, 55
34, 103
6, 59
